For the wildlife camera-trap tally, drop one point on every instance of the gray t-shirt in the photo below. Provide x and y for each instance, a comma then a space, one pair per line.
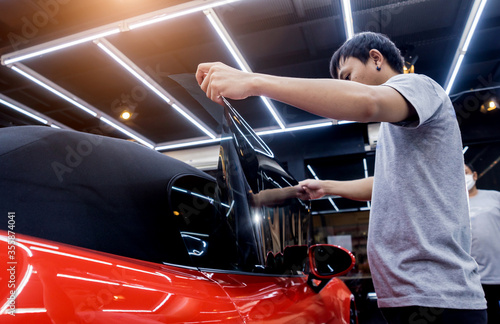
419, 234
485, 221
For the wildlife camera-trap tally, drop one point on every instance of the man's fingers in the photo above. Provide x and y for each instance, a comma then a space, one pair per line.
202, 71
205, 82
212, 78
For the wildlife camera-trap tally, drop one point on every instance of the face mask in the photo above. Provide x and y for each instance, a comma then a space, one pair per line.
469, 181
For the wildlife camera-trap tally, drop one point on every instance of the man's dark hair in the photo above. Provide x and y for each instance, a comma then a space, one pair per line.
359, 47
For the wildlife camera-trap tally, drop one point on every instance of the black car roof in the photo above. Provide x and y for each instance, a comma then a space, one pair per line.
91, 191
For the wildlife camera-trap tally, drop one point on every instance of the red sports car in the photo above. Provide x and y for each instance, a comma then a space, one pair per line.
100, 230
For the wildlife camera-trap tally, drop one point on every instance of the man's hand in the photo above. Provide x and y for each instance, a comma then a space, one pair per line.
360, 189
312, 189
219, 80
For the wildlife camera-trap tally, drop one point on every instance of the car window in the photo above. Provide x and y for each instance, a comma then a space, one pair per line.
245, 220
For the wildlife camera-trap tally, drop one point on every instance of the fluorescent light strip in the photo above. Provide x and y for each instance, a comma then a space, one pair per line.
61, 46
455, 72
260, 133
465, 149
54, 91
240, 60
126, 132
309, 167
193, 121
24, 112
468, 32
178, 14
273, 112
474, 25
186, 144
128, 65
293, 129
224, 36
347, 14
19, 107
134, 73
344, 122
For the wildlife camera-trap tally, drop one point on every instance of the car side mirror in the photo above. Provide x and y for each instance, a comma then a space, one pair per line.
327, 261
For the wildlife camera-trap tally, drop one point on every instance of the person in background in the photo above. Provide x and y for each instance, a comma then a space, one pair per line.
485, 223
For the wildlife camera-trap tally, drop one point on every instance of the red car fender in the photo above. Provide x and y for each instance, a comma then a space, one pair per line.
74, 285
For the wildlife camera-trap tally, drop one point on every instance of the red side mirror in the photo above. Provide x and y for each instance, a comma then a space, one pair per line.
328, 261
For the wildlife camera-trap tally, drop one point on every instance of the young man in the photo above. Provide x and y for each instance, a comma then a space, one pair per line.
485, 225
419, 231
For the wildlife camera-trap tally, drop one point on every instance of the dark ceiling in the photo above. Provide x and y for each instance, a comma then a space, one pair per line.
281, 37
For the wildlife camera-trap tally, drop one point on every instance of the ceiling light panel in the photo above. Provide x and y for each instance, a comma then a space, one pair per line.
112, 28
145, 79
77, 102
170, 60
92, 75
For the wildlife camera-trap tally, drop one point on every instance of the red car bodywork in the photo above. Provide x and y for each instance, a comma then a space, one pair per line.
57, 283
118, 233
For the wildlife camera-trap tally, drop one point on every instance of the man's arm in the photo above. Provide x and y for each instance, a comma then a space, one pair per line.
337, 99
275, 196
360, 189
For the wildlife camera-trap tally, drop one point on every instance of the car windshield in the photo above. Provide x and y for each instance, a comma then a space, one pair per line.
247, 220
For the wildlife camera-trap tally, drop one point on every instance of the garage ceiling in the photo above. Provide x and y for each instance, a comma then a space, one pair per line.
281, 37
